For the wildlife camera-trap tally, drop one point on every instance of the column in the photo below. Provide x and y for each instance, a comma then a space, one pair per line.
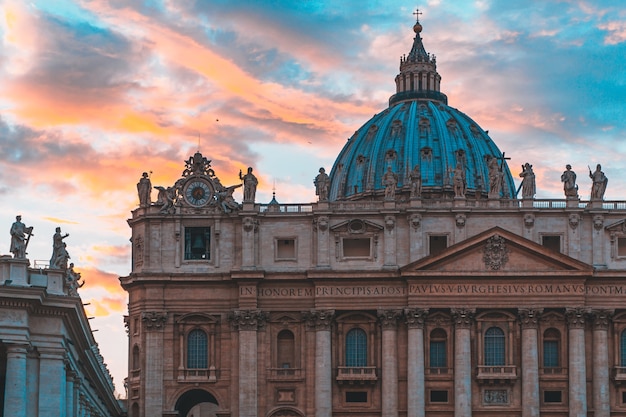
415, 367
52, 379
248, 322
389, 389
248, 252
601, 405
530, 361
577, 373
15, 387
462, 362
322, 321
389, 242
154, 324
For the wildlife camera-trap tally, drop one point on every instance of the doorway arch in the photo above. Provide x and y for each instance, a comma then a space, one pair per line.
191, 398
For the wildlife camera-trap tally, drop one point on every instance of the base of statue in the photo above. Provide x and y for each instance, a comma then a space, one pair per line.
572, 202
493, 202
528, 203
389, 204
248, 206
415, 202
595, 204
460, 201
16, 273
323, 205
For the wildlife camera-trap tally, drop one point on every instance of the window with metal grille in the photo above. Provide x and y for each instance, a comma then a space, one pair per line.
356, 348
438, 357
197, 350
551, 339
197, 243
494, 347
622, 349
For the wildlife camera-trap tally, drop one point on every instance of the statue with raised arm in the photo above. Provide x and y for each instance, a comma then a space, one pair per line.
528, 181
568, 178
61, 258
459, 181
322, 181
144, 187
415, 176
20, 236
495, 177
249, 185
390, 181
598, 183
57, 247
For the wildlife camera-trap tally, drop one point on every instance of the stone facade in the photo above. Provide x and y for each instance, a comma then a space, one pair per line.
50, 364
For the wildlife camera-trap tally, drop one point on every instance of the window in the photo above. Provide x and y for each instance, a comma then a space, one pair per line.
494, 347
356, 247
621, 247
135, 359
552, 397
552, 242
285, 349
356, 396
356, 348
622, 349
285, 249
438, 243
438, 357
197, 350
438, 396
623, 397
551, 339
197, 243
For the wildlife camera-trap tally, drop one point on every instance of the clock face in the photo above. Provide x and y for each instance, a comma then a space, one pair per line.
198, 193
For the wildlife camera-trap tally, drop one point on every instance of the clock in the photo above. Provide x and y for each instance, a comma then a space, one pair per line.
198, 193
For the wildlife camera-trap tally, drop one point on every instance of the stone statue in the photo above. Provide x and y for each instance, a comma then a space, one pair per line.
459, 181
568, 178
415, 176
249, 186
322, 182
495, 177
390, 181
62, 256
57, 247
598, 185
225, 199
528, 181
20, 236
72, 278
144, 187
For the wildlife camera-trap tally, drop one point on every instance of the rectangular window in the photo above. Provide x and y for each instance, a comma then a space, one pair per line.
357, 248
438, 354
621, 247
623, 397
198, 243
552, 242
550, 354
437, 244
285, 249
438, 396
356, 396
552, 397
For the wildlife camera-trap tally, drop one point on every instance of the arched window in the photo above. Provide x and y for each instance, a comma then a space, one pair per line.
135, 361
494, 347
622, 349
197, 350
551, 342
285, 349
356, 348
134, 411
438, 355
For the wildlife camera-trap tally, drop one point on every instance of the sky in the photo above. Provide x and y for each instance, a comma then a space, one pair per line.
94, 92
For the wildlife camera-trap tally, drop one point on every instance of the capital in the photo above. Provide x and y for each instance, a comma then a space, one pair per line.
576, 317
601, 318
248, 319
389, 318
529, 317
319, 319
462, 317
415, 317
154, 320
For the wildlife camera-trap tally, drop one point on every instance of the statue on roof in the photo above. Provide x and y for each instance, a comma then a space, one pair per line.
568, 178
459, 182
495, 177
225, 200
144, 187
390, 181
322, 182
415, 177
72, 279
250, 183
598, 183
20, 236
58, 249
528, 181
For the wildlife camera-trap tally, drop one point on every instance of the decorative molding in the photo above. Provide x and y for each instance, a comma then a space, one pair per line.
319, 319
460, 220
248, 319
529, 220
249, 224
495, 253
574, 219
576, 317
601, 318
462, 317
415, 317
322, 223
598, 221
415, 220
389, 318
390, 222
529, 317
153, 320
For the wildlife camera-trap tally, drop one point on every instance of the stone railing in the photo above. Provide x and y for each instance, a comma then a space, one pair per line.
553, 371
197, 375
362, 374
504, 372
438, 371
285, 374
619, 374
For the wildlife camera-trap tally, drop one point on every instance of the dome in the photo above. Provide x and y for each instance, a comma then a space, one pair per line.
419, 129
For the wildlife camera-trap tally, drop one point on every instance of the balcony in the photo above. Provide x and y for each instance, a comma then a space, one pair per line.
197, 375
504, 374
356, 375
135, 374
285, 374
619, 374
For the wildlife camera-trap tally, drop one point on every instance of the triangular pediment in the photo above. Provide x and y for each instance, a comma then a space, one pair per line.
497, 252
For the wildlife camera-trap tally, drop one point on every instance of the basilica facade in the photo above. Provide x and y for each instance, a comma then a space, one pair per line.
422, 283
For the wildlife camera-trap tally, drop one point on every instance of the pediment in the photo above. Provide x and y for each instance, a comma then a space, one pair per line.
497, 252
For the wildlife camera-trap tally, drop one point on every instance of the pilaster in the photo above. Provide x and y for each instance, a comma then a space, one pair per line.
463, 318
153, 324
416, 406
389, 323
577, 372
529, 321
15, 381
322, 321
601, 401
